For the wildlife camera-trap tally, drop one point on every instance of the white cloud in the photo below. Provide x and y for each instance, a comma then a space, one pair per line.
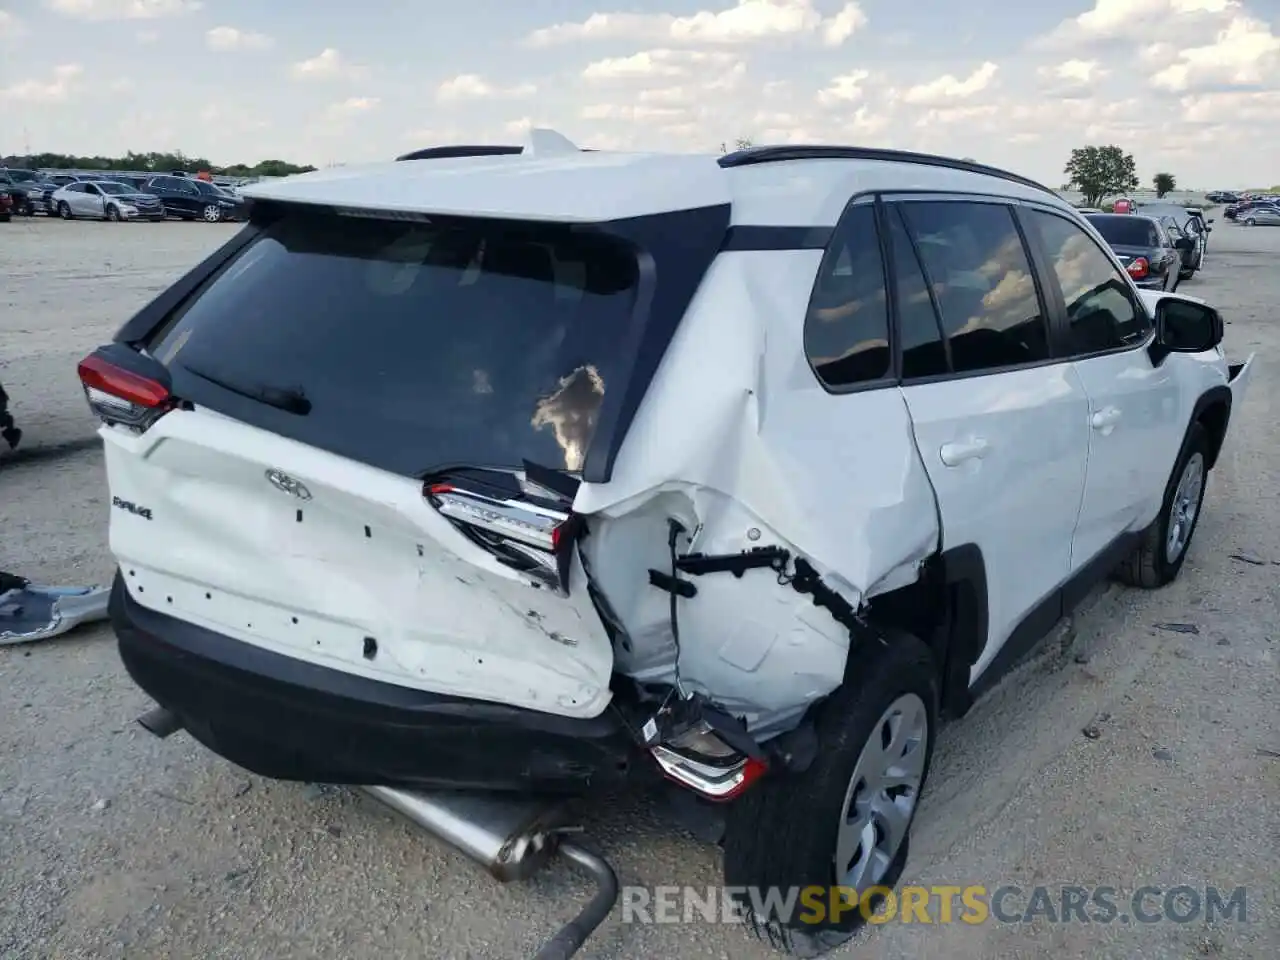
1074, 72
57, 89
637, 113
843, 25
1234, 106
228, 39
845, 88
1123, 19
123, 9
352, 106
948, 87
471, 86
328, 64
1246, 53
656, 63
746, 21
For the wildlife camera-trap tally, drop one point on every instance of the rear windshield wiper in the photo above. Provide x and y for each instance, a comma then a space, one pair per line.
288, 399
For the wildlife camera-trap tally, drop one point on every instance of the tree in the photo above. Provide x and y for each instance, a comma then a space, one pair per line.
1098, 171
1164, 183
742, 143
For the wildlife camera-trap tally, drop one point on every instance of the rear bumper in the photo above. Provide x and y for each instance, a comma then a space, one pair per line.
289, 720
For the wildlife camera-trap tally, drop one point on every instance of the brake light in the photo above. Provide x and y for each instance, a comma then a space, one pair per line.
526, 536
1139, 268
119, 396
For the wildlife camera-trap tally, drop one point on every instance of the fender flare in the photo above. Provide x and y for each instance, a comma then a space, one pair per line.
1219, 395
963, 577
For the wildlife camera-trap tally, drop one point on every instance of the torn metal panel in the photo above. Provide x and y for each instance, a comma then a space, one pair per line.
745, 452
30, 612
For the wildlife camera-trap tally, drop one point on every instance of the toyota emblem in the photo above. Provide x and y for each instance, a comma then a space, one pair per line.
283, 482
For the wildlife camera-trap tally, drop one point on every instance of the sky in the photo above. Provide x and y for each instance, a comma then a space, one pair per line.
1190, 87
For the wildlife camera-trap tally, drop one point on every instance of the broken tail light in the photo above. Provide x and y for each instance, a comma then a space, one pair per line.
1138, 268
121, 396
530, 537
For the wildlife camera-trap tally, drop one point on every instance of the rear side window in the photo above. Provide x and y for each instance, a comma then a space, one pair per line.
846, 331
422, 345
1101, 309
981, 279
924, 353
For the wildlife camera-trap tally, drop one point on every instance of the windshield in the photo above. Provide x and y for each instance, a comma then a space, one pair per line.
416, 346
1126, 230
113, 188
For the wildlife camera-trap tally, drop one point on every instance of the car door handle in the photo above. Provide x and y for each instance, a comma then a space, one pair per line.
960, 451
1106, 417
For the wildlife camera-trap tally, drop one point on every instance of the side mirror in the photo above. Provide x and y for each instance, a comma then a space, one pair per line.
1183, 326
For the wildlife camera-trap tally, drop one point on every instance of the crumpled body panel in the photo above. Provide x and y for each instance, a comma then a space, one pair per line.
739, 443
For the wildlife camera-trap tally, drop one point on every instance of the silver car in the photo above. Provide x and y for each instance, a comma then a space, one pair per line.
105, 200
1262, 216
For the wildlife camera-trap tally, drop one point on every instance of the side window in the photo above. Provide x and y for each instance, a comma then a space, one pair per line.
1101, 309
981, 279
924, 352
846, 331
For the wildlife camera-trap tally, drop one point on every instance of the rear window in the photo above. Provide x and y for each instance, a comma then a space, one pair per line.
1126, 231
417, 346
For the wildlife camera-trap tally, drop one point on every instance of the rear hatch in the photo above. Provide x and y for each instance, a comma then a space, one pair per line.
369, 442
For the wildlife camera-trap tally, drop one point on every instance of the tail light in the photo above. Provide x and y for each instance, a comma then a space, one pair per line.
700, 760
1139, 268
121, 396
534, 538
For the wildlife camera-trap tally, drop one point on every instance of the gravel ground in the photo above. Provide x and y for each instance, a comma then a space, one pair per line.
115, 844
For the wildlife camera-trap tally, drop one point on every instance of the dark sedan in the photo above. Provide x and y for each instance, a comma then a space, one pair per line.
192, 199
1143, 246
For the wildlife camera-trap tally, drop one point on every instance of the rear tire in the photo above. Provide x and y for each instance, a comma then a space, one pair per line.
787, 832
1158, 558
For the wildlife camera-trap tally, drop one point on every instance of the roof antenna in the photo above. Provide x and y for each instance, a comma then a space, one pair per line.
545, 142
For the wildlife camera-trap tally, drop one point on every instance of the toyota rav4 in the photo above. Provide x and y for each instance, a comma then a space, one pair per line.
545, 469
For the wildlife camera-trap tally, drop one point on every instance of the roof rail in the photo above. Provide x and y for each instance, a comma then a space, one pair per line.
461, 150
777, 154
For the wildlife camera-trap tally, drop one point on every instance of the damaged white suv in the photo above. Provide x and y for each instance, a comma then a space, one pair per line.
542, 470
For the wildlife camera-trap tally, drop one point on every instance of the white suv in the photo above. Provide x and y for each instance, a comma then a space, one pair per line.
541, 470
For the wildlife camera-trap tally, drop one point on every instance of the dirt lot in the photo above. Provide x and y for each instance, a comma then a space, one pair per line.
115, 844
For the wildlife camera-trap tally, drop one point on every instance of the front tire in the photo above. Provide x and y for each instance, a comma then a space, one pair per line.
64, 211
1251, 222
212, 213
845, 821
1158, 559
113, 214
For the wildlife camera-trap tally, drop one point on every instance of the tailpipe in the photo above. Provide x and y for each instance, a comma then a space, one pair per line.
512, 837
161, 722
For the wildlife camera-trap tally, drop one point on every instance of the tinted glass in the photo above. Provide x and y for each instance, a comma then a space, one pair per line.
465, 344
1101, 308
115, 188
846, 332
981, 279
923, 351
1124, 231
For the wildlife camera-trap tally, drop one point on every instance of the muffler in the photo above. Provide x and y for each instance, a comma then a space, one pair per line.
512, 837
161, 722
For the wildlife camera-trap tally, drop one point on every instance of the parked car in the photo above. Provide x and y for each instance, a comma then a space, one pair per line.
1183, 218
26, 188
184, 197
539, 534
1262, 215
6, 203
1222, 196
1238, 210
1143, 246
106, 200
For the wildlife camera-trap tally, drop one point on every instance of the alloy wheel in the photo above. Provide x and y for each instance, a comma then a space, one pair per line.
212, 213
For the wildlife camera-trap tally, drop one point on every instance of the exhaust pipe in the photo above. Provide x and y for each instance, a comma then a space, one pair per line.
512, 837
161, 722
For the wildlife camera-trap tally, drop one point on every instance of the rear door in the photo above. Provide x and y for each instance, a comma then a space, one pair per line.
349, 485
1000, 424
1134, 417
